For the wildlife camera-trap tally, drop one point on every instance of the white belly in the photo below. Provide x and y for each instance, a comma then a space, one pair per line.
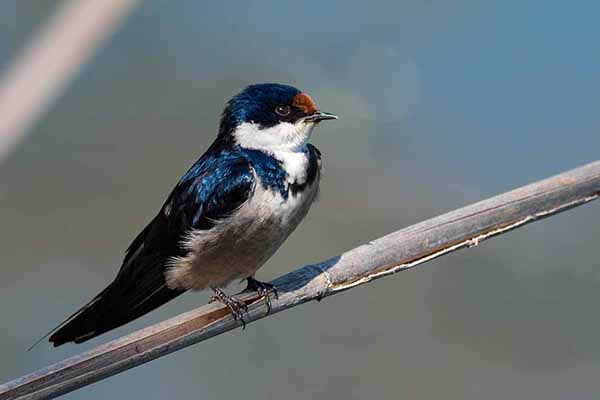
238, 246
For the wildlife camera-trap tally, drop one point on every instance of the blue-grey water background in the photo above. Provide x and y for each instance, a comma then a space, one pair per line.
441, 104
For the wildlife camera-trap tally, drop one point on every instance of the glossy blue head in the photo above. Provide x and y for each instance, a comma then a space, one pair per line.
270, 115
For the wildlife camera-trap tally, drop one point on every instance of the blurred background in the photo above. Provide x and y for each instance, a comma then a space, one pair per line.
441, 104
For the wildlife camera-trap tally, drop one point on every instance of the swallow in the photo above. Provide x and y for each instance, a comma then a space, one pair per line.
224, 219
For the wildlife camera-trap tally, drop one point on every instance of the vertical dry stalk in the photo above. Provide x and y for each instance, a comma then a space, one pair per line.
46, 66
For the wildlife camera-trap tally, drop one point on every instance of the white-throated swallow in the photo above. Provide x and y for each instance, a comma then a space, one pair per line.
224, 219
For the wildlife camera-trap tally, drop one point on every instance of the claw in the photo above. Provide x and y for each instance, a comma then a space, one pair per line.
263, 289
236, 307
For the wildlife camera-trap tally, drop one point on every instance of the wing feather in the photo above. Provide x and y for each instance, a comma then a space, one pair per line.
214, 187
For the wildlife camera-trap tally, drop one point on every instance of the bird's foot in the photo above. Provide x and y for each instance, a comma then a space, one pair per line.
263, 289
236, 307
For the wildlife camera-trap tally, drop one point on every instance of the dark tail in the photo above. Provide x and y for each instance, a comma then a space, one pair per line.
109, 310
138, 288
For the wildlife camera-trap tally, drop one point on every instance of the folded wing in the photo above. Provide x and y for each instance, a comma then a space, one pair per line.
214, 187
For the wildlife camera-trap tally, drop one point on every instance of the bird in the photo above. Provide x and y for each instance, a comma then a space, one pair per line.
224, 219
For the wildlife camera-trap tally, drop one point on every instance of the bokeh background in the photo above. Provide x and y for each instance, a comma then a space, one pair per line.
441, 104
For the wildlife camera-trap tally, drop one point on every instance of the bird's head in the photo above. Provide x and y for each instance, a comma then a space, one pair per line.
270, 117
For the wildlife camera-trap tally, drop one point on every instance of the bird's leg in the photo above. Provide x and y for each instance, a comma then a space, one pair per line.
263, 289
236, 307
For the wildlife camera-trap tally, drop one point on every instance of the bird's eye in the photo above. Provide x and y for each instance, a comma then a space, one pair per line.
282, 110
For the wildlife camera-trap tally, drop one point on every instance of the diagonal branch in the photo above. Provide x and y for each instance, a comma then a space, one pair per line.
398, 251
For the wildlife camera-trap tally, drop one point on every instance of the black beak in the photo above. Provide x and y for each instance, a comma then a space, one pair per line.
320, 116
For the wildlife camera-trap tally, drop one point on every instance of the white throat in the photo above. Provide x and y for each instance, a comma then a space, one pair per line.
284, 136
284, 141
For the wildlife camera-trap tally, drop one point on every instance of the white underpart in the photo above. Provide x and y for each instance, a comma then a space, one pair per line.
238, 246
295, 163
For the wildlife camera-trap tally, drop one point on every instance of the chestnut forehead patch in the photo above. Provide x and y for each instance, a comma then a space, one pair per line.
304, 102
